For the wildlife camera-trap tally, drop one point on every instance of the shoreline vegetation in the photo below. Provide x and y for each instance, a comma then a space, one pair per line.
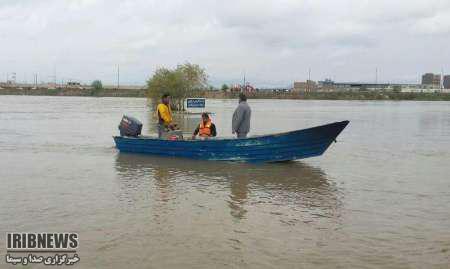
191, 81
215, 94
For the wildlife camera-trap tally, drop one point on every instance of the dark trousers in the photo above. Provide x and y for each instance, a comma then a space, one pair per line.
162, 130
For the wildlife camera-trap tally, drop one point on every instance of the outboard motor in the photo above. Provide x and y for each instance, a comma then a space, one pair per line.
130, 126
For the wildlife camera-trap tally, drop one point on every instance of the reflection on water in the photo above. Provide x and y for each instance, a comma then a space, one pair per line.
238, 196
295, 185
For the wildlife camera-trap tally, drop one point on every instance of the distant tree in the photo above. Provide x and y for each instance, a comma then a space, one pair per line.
225, 87
97, 85
397, 89
184, 81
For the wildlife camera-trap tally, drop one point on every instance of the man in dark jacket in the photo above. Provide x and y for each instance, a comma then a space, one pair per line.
241, 118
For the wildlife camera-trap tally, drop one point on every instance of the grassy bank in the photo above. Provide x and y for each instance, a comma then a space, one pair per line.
106, 92
124, 92
360, 95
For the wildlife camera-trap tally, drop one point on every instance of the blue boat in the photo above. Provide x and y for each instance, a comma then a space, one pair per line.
280, 147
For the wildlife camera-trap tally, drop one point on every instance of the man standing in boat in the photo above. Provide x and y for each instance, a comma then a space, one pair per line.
165, 121
206, 128
241, 118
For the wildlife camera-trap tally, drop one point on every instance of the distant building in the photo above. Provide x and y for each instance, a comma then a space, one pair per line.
241, 88
329, 85
447, 82
326, 85
431, 79
305, 86
361, 86
326, 82
74, 85
249, 88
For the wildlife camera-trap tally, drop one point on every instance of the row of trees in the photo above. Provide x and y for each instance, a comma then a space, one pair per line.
186, 80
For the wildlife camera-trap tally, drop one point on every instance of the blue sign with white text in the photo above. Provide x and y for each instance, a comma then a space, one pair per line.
195, 102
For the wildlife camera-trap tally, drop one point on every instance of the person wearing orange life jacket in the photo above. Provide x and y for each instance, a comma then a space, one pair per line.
206, 128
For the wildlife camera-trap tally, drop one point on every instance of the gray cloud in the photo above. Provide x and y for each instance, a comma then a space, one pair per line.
272, 42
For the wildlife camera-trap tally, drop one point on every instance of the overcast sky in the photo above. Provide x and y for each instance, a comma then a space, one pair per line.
272, 42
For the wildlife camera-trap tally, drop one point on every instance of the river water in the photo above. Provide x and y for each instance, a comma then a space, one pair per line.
378, 198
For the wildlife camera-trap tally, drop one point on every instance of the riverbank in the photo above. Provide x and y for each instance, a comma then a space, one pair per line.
141, 92
105, 92
356, 95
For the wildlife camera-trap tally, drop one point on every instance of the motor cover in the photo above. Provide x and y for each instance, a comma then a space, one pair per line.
130, 126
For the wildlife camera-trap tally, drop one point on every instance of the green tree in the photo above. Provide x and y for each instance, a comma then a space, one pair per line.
225, 87
397, 88
186, 80
97, 85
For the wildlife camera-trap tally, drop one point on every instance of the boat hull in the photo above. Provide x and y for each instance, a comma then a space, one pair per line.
288, 146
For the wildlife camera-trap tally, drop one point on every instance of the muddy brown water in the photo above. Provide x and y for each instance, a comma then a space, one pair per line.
378, 198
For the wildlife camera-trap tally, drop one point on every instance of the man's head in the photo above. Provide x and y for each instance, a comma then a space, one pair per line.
205, 116
242, 97
165, 98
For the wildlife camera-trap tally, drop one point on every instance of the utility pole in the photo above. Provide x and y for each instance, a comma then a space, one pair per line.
118, 76
54, 75
376, 75
309, 80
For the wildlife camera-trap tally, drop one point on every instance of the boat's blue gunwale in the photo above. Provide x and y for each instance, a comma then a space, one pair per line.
256, 137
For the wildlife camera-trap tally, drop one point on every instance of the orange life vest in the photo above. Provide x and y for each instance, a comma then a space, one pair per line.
204, 130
